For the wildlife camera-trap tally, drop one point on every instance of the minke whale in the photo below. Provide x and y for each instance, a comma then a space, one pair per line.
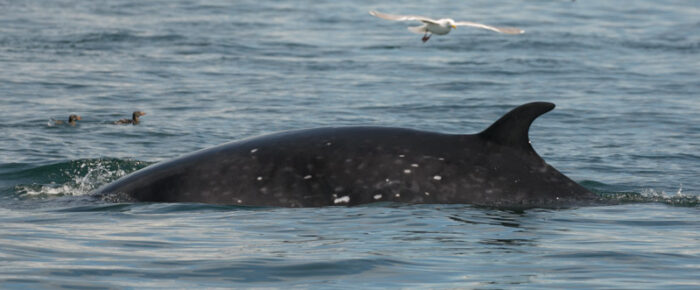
358, 165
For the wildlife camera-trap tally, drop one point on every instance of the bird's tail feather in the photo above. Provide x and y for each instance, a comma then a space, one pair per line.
418, 29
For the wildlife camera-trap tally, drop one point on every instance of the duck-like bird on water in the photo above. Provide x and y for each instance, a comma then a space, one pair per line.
72, 120
440, 26
134, 119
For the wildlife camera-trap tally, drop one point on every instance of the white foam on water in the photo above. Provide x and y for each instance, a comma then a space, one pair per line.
98, 173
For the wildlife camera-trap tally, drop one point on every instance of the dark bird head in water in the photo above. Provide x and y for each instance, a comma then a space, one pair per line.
73, 118
137, 114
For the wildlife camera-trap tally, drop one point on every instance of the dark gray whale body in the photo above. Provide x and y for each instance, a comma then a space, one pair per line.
358, 165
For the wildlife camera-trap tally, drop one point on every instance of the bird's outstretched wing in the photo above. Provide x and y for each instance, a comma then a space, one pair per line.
401, 17
506, 30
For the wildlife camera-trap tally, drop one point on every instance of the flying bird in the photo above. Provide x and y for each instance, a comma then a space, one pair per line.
440, 26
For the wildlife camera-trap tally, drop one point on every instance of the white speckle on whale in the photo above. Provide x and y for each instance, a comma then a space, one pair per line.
437, 177
377, 196
342, 199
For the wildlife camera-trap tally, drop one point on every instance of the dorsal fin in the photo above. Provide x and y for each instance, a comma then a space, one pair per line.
512, 129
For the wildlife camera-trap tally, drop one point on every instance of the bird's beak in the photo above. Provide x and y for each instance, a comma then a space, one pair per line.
454, 26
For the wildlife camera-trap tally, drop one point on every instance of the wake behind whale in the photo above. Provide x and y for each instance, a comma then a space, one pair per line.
358, 165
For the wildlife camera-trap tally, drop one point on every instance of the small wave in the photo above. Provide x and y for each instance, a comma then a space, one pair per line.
91, 41
466, 85
117, 36
72, 178
286, 270
554, 44
541, 62
123, 207
382, 47
649, 195
660, 45
130, 205
289, 45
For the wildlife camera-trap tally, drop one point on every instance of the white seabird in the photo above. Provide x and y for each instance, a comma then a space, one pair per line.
440, 26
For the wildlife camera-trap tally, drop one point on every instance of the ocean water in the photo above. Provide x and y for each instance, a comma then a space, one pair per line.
625, 79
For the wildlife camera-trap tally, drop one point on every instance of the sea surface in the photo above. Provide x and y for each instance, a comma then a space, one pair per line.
625, 77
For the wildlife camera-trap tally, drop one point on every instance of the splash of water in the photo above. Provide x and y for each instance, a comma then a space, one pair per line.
649, 195
79, 177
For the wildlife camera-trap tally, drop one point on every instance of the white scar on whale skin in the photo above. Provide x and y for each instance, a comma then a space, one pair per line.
342, 199
377, 196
